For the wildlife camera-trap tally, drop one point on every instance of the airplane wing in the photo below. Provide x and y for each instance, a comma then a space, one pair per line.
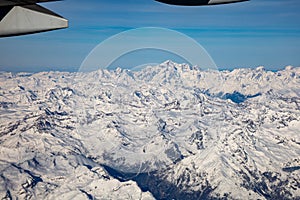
19, 17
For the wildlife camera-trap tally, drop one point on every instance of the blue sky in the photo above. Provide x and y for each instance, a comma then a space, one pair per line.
249, 34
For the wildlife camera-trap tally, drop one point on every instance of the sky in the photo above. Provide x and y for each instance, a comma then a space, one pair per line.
249, 34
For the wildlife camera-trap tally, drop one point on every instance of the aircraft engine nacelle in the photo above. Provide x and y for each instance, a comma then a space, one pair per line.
214, 2
198, 2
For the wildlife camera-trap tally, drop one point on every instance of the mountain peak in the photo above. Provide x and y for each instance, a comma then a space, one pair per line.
110, 134
260, 68
288, 68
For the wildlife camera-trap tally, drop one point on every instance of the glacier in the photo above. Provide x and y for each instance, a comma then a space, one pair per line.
170, 131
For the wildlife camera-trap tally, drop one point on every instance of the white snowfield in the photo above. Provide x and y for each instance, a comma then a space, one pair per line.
167, 132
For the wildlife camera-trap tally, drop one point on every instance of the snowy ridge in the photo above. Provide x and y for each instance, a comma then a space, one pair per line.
170, 131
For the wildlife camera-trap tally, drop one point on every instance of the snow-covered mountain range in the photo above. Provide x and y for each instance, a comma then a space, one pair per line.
170, 131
